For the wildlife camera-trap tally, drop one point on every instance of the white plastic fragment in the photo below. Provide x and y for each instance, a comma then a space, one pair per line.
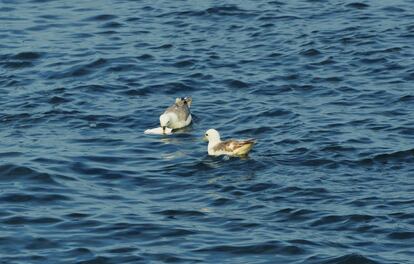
158, 131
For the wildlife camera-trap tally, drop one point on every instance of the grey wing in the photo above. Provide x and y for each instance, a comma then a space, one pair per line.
182, 111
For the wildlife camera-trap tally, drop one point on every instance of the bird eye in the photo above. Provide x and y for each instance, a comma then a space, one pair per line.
206, 135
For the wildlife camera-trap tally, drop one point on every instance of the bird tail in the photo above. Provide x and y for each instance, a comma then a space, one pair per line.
184, 100
188, 100
247, 145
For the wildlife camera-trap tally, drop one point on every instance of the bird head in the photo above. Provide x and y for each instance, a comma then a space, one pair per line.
164, 122
212, 135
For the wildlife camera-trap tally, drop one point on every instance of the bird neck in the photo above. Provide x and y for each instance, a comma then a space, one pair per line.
212, 142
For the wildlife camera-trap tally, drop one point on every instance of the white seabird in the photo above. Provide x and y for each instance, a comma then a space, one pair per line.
177, 115
231, 147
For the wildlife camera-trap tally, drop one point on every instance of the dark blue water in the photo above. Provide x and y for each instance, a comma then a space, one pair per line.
327, 88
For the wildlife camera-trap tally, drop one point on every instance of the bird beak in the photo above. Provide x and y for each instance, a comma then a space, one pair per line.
163, 129
205, 138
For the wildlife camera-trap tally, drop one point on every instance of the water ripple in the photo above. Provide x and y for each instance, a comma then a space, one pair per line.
325, 88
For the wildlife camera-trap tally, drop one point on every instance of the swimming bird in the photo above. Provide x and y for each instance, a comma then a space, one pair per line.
231, 147
177, 115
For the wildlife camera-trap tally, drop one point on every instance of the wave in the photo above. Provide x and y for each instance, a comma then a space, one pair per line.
357, 5
397, 156
14, 173
223, 10
269, 247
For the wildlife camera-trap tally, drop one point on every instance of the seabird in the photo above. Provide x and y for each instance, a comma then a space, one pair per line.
177, 115
231, 147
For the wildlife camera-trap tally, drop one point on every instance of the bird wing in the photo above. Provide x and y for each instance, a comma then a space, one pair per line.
180, 109
232, 146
